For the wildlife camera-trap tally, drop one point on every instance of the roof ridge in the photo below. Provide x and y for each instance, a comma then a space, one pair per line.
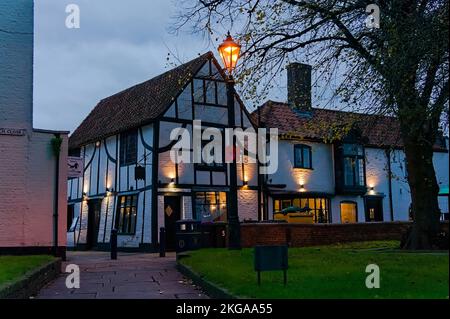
272, 102
181, 66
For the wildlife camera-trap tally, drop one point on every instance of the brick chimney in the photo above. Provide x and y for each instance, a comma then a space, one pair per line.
299, 86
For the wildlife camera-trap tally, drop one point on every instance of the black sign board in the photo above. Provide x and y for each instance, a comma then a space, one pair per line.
268, 258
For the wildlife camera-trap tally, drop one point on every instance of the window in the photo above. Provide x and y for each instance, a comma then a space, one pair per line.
213, 165
70, 215
353, 156
128, 148
211, 206
319, 207
302, 156
349, 212
126, 214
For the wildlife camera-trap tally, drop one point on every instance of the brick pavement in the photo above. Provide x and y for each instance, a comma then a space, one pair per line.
131, 276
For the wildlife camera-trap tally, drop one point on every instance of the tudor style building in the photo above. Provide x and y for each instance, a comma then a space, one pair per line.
360, 176
129, 181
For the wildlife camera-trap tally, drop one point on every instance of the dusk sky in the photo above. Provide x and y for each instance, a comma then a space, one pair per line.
119, 44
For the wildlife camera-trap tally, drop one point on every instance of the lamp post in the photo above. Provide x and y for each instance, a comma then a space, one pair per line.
229, 52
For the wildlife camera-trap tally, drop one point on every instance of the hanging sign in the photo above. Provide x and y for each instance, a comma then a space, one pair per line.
74, 167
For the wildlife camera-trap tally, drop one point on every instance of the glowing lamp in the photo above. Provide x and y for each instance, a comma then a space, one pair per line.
229, 51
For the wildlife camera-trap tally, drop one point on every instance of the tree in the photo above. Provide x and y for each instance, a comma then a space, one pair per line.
399, 68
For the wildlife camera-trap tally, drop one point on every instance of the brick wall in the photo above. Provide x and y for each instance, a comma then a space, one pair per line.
300, 235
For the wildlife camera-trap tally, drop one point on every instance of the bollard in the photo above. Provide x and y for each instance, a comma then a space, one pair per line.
162, 242
113, 242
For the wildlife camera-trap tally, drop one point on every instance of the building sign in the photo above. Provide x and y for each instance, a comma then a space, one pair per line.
74, 166
12, 131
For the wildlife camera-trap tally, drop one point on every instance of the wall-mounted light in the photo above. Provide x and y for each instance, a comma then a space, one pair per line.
302, 188
97, 144
172, 181
371, 190
245, 183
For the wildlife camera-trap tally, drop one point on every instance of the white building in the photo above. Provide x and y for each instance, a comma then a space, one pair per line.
32, 187
361, 177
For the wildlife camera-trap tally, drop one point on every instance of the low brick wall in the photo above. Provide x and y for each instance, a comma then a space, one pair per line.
302, 235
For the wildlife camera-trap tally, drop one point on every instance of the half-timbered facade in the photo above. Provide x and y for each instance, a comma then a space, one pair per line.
130, 182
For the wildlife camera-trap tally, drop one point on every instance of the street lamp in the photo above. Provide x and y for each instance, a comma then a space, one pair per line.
229, 52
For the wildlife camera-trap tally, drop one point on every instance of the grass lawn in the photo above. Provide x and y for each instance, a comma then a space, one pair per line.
336, 271
14, 267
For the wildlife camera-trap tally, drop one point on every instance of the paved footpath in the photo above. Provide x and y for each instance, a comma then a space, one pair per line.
131, 276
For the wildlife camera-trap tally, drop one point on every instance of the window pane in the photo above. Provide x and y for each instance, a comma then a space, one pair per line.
212, 114
306, 157
277, 205
348, 171
198, 91
298, 157
286, 203
221, 93
296, 202
361, 171
210, 92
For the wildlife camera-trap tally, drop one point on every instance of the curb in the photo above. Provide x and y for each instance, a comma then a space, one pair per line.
208, 287
30, 284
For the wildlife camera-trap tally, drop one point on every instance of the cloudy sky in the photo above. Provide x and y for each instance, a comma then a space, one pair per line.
119, 43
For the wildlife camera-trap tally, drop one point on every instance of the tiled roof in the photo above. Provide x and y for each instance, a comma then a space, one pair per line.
325, 124
135, 106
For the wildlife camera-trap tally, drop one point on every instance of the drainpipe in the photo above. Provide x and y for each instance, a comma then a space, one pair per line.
56, 145
391, 205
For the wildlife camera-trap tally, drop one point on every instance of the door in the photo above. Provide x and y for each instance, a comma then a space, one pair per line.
94, 208
374, 209
349, 212
172, 214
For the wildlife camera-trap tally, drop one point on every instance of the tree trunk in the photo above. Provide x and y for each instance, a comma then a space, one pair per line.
424, 194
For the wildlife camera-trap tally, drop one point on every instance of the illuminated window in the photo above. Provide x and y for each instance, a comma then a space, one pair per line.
319, 207
126, 214
211, 206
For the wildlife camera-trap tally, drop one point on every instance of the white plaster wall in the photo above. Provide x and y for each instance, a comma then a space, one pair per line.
318, 179
377, 177
248, 204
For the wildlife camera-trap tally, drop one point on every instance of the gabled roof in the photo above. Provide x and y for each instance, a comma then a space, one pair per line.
137, 105
326, 125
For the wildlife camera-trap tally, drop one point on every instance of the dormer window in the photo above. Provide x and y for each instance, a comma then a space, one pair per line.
302, 156
353, 160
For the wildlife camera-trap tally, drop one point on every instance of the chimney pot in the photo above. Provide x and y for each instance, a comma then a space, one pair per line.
299, 86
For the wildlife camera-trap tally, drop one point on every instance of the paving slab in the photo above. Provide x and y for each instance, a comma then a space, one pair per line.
131, 276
